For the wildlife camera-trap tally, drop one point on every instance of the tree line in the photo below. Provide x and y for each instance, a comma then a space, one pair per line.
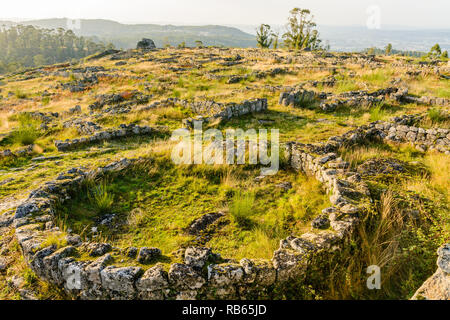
434, 53
27, 46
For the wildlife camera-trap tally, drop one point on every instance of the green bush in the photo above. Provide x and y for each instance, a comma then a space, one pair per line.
20, 94
100, 198
436, 115
241, 208
377, 113
28, 130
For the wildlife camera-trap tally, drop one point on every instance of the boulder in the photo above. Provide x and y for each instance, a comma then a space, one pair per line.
147, 255
197, 257
152, 285
146, 44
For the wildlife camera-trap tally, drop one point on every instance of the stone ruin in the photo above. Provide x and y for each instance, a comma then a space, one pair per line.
211, 111
300, 97
122, 131
246, 279
437, 287
100, 279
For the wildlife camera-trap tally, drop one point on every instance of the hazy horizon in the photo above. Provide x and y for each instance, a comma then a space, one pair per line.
399, 14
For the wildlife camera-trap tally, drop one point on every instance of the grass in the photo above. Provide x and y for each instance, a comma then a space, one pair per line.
241, 208
100, 198
346, 85
154, 204
378, 77
437, 116
377, 113
19, 94
55, 239
443, 92
27, 131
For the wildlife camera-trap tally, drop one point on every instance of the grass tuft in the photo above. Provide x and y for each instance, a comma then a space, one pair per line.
101, 199
241, 208
28, 130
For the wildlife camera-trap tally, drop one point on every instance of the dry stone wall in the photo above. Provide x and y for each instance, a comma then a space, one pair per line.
211, 111
123, 131
200, 275
329, 102
100, 279
437, 287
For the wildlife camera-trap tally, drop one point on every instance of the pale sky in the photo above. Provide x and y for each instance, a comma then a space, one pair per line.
413, 13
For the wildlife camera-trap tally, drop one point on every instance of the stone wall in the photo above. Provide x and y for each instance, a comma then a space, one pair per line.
211, 111
329, 102
398, 130
437, 287
427, 100
200, 275
248, 278
25, 151
123, 131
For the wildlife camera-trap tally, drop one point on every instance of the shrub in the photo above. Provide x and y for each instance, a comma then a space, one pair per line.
436, 115
100, 198
241, 208
28, 130
377, 113
20, 94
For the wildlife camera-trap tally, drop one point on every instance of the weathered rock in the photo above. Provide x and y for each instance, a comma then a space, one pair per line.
286, 186
147, 255
197, 257
437, 287
321, 222
3, 264
120, 281
98, 249
153, 284
131, 252
202, 223
289, 264
184, 277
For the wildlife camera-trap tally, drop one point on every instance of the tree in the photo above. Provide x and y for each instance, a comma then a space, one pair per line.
28, 46
388, 49
301, 32
275, 37
444, 55
264, 36
198, 44
435, 51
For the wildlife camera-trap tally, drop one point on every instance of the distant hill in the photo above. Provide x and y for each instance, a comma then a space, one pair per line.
340, 38
358, 38
127, 35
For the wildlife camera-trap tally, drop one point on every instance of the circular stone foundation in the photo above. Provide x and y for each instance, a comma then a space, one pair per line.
102, 263
156, 204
